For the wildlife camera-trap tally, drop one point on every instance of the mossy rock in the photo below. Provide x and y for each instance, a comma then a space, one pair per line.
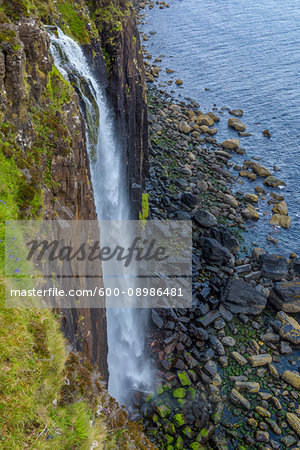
188, 432
202, 436
163, 410
149, 397
159, 389
155, 418
179, 393
179, 443
169, 427
196, 446
179, 420
192, 392
184, 378
168, 439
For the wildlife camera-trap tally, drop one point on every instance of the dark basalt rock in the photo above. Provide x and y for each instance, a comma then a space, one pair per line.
273, 267
198, 333
285, 296
240, 297
189, 199
182, 215
204, 218
157, 319
214, 253
225, 237
297, 266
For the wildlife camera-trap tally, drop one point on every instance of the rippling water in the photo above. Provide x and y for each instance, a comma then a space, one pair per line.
248, 55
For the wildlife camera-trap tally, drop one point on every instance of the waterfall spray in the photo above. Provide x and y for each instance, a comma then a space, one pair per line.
128, 368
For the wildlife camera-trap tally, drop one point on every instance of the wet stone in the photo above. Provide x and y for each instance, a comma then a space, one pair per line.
285, 296
219, 323
208, 318
262, 411
239, 399
240, 297
204, 218
239, 358
262, 436
211, 368
285, 348
229, 341
273, 267
290, 328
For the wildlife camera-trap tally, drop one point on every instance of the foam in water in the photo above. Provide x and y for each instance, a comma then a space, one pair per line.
128, 369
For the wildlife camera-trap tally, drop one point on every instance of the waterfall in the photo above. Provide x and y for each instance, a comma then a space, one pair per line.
128, 369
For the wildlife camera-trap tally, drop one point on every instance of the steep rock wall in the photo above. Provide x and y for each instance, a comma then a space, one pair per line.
47, 143
44, 130
120, 42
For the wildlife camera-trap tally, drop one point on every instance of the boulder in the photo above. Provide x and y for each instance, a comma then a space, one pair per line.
297, 266
273, 267
247, 386
179, 82
182, 215
290, 328
250, 213
266, 133
214, 253
280, 208
184, 128
222, 153
204, 128
285, 296
202, 185
189, 199
162, 410
280, 220
225, 237
240, 297
294, 422
277, 197
236, 124
260, 360
251, 198
239, 399
260, 170
204, 218
214, 117
231, 144
237, 112
205, 119
184, 378
239, 358
230, 200
157, 319
274, 182
293, 378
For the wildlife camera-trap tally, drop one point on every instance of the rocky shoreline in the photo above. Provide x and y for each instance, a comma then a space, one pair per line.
228, 374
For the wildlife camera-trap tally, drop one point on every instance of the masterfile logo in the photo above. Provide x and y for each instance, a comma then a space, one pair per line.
67, 264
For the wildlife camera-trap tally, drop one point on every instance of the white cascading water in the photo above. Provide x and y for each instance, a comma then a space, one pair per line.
128, 369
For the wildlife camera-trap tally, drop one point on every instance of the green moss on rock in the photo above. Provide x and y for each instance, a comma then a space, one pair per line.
179, 443
184, 378
179, 420
179, 393
163, 410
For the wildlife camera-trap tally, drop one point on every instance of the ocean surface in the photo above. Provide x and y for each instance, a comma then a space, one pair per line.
241, 55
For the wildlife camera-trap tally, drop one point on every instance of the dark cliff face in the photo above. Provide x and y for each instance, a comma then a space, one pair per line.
46, 130
120, 42
51, 152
